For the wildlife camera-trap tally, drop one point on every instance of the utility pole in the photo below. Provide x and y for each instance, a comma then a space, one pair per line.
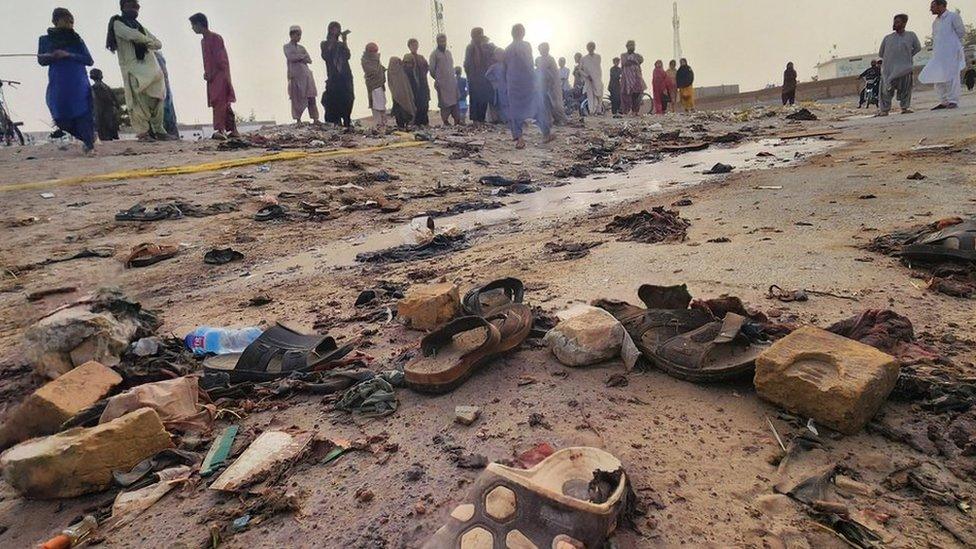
677, 34
437, 18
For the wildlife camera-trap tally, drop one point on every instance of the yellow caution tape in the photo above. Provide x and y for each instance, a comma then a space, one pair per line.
206, 167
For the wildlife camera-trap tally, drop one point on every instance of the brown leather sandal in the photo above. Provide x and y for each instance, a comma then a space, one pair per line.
556, 504
451, 354
715, 352
147, 254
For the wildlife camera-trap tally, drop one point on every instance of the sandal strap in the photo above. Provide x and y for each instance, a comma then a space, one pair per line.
445, 334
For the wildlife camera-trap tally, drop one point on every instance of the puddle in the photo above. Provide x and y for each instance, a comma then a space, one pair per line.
552, 204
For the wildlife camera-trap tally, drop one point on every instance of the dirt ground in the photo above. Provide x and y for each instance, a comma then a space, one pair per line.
700, 457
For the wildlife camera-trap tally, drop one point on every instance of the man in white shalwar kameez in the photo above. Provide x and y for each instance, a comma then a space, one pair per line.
948, 56
593, 79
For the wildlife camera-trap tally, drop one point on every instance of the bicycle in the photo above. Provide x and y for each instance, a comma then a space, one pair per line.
9, 130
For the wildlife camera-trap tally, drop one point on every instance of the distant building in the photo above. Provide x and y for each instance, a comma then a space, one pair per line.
842, 67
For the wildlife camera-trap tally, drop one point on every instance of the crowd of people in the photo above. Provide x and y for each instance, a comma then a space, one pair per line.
505, 85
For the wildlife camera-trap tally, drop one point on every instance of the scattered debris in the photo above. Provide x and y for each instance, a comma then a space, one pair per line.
268, 457
803, 115
650, 227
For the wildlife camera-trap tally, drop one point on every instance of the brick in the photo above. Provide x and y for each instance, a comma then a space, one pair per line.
426, 307
43, 412
838, 382
80, 461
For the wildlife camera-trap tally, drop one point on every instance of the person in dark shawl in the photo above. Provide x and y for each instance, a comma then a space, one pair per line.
404, 105
418, 69
339, 94
69, 95
524, 99
107, 108
789, 85
216, 71
614, 86
479, 55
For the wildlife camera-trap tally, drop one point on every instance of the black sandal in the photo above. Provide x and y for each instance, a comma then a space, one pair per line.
502, 292
954, 243
277, 353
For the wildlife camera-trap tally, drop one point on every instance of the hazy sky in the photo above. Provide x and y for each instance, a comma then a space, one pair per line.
745, 42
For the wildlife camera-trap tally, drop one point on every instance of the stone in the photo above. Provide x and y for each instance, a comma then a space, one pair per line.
81, 461
466, 415
428, 306
71, 337
838, 382
46, 409
585, 336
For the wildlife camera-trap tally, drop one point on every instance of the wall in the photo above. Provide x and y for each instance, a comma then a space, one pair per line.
805, 91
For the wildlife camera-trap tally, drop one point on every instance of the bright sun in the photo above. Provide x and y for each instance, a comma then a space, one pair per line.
540, 30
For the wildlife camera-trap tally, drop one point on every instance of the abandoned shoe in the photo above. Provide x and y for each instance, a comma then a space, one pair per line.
277, 353
514, 323
222, 256
268, 213
572, 499
954, 243
482, 300
147, 254
452, 353
718, 351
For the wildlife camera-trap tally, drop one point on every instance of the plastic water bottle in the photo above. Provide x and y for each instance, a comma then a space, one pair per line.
220, 341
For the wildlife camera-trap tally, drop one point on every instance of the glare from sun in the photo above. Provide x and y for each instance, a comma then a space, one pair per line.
540, 30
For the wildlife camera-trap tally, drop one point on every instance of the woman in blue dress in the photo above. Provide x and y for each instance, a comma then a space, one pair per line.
69, 95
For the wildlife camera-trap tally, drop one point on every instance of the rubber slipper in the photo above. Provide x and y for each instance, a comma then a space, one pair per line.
268, 213
548, 506
222, 256
481, 301
147, 254
277, 353
715, 352
954, 243
140, 213
451, 354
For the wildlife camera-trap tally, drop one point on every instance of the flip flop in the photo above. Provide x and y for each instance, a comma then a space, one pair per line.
451, 354
222, 256
147, 254
140, 213
481, 301
548, 506
268, 213
715, 352
277, 353
954, 243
